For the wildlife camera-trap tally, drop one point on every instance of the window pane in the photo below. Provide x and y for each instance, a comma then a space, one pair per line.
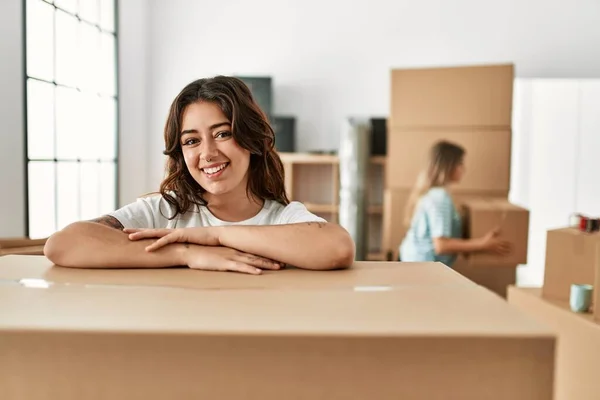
108, 65
90, 190
42, 211
68, 113
89, 10
89, 56
107, 15
40, 40
108, 185
40, 119
87, 135
106, 139
67, 191
66, 49
68, 5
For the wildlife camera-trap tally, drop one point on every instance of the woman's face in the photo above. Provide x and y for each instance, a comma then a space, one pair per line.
459, 172
212, 156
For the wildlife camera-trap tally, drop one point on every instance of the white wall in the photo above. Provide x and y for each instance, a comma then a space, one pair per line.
330, 59
133, 100
556, 144
12, 152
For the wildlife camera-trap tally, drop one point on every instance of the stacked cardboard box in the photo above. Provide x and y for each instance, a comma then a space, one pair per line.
470, 106
572, 256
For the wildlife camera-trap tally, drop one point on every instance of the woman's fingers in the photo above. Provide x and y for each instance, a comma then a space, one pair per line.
238, 266
149, 233
165, 240
259, 262
133, 230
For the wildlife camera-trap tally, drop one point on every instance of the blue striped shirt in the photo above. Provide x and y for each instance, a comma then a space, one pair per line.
435, 216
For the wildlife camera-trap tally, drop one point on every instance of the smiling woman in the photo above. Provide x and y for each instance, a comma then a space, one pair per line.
222, 205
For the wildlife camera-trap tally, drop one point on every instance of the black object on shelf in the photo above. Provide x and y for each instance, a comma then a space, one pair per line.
285, 134
378, 136
262, 91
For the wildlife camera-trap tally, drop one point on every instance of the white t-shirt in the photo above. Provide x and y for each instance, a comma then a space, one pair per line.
154, 212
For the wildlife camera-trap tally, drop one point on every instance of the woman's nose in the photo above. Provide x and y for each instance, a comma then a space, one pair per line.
209, 150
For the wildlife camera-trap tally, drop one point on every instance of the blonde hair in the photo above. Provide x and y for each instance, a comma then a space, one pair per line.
444, 158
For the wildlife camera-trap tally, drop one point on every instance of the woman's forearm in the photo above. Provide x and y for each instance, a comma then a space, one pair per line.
455, 246
311, 245
92, 245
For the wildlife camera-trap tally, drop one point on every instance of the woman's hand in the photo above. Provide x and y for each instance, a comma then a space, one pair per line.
492, 244
205, 236
217, 258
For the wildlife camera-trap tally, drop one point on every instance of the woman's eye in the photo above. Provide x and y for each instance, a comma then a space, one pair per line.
223, 134
190, 142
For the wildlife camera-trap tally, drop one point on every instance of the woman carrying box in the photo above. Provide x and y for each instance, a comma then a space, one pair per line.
222, 205
435, 232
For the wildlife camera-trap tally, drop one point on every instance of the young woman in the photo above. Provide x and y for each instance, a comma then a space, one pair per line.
222, 205
435, 232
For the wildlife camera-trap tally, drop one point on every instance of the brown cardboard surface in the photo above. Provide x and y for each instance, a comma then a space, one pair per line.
481, 215
496, 278
395, 201
457, 96
487, 158
570, 258
15, 268
578, 345
419, 338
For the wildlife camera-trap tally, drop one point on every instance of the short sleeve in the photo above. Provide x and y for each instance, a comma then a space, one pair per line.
440, 214
143, 213
295, 213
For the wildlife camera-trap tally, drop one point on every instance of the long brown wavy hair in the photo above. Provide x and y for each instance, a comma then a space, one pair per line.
251, 130
444, 158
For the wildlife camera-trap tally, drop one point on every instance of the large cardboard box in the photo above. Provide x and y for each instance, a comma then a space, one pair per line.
482, 215
476, 96
571, 257
496, 278
578, 345
487, 158
417, 331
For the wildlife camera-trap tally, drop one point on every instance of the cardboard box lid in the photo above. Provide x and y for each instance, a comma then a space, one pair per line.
455, 310
492, 204
15, 268
574, 232
402, 309
452, 97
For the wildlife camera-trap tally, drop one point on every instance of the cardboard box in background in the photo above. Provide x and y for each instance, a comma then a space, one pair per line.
571, 257
487, 158
6, 243
126, 325
484, 214
475, 96
394, 229
577, 348
496, 278
596, 299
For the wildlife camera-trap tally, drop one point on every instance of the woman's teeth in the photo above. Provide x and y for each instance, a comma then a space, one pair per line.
214, 170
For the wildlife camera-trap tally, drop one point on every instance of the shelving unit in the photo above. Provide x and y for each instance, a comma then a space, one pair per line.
314, 179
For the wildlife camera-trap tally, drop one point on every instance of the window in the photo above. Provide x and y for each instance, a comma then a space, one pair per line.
71, 95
